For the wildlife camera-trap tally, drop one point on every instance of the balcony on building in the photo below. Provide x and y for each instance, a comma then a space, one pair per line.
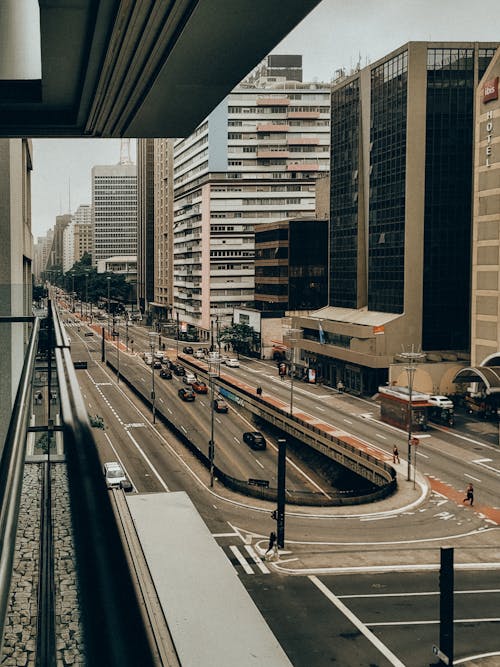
273, 127
270, 154
303, 166
303, 114
273, 102
303, 141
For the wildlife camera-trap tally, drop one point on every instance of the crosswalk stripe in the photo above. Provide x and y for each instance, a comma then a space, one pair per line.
241, 559
256, 559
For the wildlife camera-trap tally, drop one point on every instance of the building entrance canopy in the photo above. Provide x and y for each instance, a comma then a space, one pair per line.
488, 375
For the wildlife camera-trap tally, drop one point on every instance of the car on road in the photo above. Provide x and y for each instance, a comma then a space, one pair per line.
166, 374
199, 354
187, 349
199, 387
220, 405
233, 363
156, 363
187, 394
88, 333
113, 474
189, 377
178, 369
441, 402
254, 439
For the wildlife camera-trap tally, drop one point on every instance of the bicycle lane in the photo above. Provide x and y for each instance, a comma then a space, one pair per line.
491, 514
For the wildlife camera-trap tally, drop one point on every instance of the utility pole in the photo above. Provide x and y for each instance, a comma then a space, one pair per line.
280, 514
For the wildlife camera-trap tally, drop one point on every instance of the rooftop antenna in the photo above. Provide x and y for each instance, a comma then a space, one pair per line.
125, 151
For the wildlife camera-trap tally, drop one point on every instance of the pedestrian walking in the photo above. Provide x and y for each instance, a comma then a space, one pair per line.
259, 391
272, 542
395, 455
469, 495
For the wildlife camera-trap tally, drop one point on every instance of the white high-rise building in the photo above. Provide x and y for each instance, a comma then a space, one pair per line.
253, 160
114, 211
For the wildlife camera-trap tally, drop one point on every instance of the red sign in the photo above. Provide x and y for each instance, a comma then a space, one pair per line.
490, 90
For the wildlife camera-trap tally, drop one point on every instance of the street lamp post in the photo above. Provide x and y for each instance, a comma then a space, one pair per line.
126, 331
108, 278
294, 336
116, 335
411, 358
211, 444
152, 340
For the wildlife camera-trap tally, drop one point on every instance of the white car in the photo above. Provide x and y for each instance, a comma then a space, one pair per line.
199, 354
233, 363
441, 402
113, 474
189, 378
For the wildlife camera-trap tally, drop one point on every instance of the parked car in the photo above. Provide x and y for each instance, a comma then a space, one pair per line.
441, 401
220, 405
254, 439
166, 374
157, 363
199, 387
233, 363
199, 354
113, 474
187, 394
187, 349
179, 370
89, 333
189, 377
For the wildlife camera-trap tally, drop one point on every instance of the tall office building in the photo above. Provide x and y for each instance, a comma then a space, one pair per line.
485, 329
145, 223
114, 211
77, 237
253, 160
16, 251
400, 212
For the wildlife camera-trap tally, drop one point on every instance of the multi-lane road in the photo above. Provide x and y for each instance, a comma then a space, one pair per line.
384, 609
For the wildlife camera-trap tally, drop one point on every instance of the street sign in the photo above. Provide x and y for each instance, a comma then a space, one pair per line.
442, 656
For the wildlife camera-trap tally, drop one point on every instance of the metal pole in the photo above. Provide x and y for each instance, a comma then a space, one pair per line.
118, 357
153, 381
126, 333
280, 516
109, 309
211, 444
292, 366
177, 335
410, 370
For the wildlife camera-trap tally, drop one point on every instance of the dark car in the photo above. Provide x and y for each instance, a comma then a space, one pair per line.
179, 370
254, 439
187, 394
187, 349
156, 363
199, 387
220, 405
166, 374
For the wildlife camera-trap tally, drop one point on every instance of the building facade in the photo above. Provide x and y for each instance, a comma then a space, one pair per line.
291, 266
254, 160
16, 251
400, 212
485, 330
146, 222
114, 211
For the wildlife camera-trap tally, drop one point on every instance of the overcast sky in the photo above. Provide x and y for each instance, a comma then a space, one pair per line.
337, 34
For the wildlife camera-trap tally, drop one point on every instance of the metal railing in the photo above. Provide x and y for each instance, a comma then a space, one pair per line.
11, 470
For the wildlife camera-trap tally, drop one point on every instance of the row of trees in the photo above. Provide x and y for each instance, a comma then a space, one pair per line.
87, 284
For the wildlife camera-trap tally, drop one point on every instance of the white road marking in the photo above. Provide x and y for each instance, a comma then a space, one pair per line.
381, 436
471, 477
141, 452
348, 421
393, 659
482, 463
259, 463
241, 559
256, 559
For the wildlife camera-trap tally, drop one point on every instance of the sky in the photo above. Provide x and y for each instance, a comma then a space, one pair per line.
336, 34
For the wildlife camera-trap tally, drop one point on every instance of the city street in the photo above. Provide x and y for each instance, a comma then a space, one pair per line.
365, 584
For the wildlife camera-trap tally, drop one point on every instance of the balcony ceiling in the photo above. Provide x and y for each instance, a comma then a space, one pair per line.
115, 68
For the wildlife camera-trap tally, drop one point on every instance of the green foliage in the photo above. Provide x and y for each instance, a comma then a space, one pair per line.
242, 337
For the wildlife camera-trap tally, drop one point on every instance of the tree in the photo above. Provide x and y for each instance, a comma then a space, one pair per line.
241, 337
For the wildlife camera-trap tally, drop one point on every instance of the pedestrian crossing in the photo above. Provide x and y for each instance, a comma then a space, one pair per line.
247, 559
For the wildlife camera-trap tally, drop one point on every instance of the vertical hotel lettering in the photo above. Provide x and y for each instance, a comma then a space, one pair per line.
490, 92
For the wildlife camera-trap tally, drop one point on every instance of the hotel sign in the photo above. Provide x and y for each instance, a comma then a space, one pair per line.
490, 90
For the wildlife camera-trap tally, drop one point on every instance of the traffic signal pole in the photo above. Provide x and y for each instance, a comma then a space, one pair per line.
280, 516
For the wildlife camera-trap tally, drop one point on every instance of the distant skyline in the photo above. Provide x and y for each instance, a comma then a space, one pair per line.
337, 34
